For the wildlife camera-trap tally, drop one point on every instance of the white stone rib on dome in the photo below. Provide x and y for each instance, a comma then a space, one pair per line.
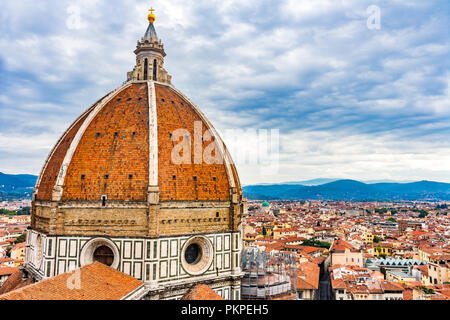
153, 135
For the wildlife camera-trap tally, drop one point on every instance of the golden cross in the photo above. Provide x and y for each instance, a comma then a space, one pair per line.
151, 10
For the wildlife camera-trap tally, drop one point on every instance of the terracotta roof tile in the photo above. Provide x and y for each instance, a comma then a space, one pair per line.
97, 282
201, 292
391, 286
8, 270
340, 245
14, 281
308, 276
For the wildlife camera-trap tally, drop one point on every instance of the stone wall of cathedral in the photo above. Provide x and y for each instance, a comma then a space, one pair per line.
134, 219
157, 262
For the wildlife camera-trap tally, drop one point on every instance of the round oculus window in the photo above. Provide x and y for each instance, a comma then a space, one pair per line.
105, 255
193, 253
197, 255
100, 250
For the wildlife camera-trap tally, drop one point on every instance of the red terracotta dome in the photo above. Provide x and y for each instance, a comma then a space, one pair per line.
122, 145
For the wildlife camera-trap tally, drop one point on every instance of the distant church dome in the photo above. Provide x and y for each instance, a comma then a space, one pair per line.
142, 182
265, 204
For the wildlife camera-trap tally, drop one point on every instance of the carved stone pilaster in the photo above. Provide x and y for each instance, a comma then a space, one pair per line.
153, 195
53, 217
153, 210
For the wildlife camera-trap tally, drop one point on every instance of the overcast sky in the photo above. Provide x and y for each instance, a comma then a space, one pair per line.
350, 100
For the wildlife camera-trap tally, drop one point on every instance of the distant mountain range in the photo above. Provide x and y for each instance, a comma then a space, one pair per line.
13, 186
352, 190
16, 186
319, 181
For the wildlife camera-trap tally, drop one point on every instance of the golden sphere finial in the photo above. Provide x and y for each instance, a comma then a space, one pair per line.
151, 16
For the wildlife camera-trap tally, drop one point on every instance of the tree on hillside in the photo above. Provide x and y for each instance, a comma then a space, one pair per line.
6, 211
383, 271
316, 243
393, 211
21, 238
8, 251
24, 211
423, 214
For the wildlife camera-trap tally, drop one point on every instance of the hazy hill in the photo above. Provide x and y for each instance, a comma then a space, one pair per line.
16, 185
21, 186
353, 190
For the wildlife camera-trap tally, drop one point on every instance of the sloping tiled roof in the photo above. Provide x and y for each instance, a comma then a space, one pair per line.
201, 292
391, 286
408, 294
151, 32
8, 270
338, 283
97, 282
308, 276
340, 245
302, 284
14, 281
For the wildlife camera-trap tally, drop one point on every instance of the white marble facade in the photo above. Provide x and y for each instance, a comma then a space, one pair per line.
157, 262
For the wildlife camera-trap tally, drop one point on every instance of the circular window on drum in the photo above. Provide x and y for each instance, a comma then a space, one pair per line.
193, 254
100, 250
105, 255
197, 255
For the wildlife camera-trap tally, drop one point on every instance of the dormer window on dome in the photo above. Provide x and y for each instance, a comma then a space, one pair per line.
150, 57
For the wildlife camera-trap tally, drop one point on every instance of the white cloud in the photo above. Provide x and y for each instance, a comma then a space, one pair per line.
349, 102
340, 155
